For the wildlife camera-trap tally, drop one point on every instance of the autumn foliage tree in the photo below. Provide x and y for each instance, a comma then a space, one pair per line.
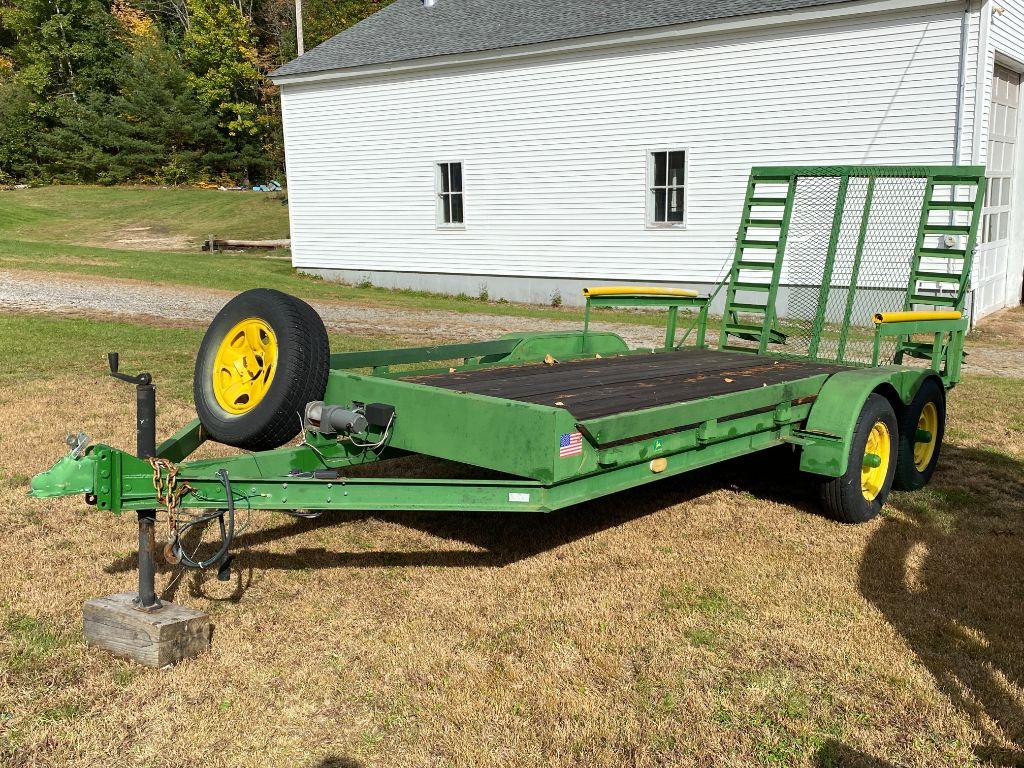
162, 91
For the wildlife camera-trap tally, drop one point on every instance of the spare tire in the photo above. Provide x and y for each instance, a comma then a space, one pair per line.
264, 356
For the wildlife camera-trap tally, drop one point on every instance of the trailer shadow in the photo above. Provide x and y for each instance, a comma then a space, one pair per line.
499, 539
947, 576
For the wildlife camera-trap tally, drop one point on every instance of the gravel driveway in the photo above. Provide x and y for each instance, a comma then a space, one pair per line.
38, 292
46, 292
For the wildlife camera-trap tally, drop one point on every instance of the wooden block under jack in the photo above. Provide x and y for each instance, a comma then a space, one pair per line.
155, 639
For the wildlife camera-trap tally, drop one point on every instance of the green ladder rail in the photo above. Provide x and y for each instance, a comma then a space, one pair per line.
758, 259
761, 211
956, 280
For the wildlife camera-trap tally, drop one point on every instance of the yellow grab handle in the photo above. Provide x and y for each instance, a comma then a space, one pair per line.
908, 317
637, 290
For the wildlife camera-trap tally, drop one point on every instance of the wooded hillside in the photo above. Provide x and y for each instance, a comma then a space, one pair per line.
153, 91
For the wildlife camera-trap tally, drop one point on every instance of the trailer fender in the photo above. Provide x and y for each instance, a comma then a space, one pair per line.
834, 413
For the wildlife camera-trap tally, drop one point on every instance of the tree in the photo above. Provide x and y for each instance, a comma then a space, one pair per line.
153, 130
62, 48
168, 91
221, 55
20, 128
323, 19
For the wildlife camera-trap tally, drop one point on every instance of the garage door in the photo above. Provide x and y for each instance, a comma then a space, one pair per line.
990, 279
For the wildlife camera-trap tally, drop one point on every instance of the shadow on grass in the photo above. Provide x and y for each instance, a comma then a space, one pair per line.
500, 538
835, 754
332, 761
948, 578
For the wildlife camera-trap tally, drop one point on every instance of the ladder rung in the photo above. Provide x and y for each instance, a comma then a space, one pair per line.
739, 307
743, 328
765, 265
943, 253
769, 200
939, 277
737, 348
760, 287
947, 229
935, 301
950, 205
965, 181
764, 245
777, 179
754, 331
763, 223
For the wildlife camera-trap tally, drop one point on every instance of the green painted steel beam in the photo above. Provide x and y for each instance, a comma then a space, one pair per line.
830, 261
182, 443
384, 357
858, 257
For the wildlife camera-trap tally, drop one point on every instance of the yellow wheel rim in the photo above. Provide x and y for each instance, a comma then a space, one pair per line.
926, 437
245, 365
875, 465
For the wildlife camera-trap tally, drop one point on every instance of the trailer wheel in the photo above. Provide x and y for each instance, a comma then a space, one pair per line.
264, 356
922, 426
858, 495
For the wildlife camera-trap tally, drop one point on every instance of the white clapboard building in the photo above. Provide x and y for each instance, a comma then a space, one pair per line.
527, 148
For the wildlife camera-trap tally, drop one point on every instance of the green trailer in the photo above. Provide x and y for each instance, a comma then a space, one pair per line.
842, 330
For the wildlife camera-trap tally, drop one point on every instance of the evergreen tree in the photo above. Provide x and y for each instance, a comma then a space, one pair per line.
20, 128
153, 130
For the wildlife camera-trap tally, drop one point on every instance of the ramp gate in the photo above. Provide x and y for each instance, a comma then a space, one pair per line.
821, 250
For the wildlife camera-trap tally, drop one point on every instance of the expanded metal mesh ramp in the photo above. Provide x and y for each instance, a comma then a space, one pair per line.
821, 250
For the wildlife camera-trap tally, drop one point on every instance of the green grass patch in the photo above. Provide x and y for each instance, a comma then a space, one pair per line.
83, 214
32, 641
40, 346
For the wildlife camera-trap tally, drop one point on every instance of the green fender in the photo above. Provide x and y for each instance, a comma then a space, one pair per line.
834, 414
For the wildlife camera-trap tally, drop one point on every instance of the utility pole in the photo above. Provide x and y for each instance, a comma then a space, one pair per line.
298, 27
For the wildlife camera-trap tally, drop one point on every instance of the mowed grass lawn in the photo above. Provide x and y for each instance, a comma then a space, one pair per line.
710, 619
154, 235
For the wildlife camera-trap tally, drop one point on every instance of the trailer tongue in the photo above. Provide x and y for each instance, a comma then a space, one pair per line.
842, 330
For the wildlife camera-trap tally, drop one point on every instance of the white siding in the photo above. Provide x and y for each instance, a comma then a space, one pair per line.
1008, 30
555, 150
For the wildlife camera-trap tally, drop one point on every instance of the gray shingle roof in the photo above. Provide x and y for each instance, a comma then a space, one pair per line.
406, 30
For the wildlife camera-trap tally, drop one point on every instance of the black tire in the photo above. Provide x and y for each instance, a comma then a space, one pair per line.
299, 376
914, 471
843, 497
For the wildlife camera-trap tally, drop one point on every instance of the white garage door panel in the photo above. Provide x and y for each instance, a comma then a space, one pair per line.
994, 252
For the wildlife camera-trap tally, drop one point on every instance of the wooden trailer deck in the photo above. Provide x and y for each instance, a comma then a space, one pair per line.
598, 387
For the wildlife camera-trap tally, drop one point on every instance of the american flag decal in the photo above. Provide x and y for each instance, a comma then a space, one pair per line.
570, 445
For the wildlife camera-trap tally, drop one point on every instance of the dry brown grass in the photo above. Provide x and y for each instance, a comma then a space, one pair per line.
714, 619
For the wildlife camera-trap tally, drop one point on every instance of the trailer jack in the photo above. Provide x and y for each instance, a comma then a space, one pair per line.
138, 626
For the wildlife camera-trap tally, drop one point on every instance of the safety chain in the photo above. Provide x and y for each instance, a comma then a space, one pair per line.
165, 476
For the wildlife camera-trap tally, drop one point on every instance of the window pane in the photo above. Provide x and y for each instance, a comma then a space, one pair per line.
676, 201
676, 169
456, 176
660, 171
456, 210
659, 204
446, 215
444, 177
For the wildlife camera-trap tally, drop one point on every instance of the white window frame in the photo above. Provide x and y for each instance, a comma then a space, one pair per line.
649, 188
439, 197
